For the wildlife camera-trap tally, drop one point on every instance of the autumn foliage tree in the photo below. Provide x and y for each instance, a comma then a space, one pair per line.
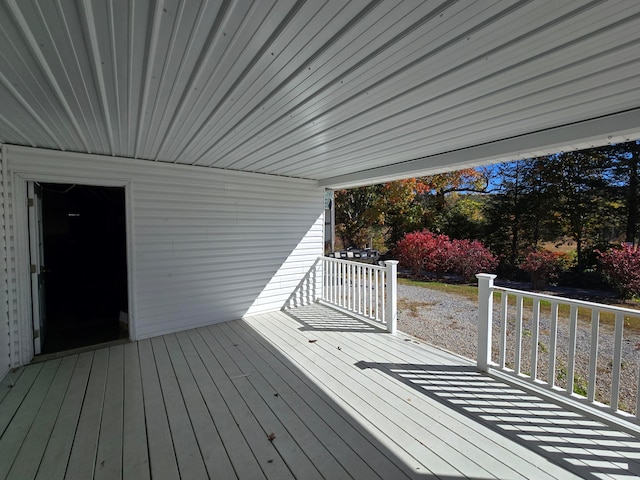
357, 211
622, 268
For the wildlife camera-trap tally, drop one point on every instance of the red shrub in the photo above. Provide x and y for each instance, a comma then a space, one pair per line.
542, 265
427, 252
423, 251
621, 266
471, 257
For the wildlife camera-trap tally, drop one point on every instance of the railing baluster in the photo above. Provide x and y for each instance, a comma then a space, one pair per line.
504, 308
576, 310
360, 270
617, 361
383, 296
342, 284
593, 355
377, 279
369, 289
360, 288
518, 353
571, 366
534, 338
553, 341
638, 400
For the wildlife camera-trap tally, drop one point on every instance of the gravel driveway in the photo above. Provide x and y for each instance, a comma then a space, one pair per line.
450, 321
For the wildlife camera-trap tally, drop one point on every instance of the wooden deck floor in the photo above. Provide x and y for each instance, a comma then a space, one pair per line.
308, 394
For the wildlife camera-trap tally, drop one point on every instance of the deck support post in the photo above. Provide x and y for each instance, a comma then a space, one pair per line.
485, 318
391, 313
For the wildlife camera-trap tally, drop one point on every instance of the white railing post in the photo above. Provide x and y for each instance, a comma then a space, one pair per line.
485, 318
391, 313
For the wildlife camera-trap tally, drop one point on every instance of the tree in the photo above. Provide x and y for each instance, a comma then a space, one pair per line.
465, 180
580, 183
521, 214
358, 210
625, 163
401, 212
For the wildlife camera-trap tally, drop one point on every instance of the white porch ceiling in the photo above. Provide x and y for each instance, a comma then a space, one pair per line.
345, 93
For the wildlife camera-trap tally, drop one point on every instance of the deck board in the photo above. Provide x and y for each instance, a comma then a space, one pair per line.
135, 455
243, 460
18, 429
28, 458
213, 451
338, 436
109, 454
342, 399
188, 455
162, 457
9, 380
82, 460
56, 455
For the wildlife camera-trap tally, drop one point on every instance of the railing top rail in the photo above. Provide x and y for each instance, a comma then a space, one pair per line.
569, 301
342, 260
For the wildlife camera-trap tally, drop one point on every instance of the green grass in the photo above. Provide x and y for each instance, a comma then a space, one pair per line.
470, 292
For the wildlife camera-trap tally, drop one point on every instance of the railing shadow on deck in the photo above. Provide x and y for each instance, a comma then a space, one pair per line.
327, 319
579, 444
308, 290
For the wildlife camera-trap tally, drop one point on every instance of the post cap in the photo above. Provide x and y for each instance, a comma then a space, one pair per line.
489, 276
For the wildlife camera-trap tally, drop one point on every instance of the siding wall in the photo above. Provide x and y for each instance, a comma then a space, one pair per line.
207, 245
5, 346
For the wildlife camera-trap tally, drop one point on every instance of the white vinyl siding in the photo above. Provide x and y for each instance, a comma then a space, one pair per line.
5, 345
207, 245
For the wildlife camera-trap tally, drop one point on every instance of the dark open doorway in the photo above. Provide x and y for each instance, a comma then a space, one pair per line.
85, 275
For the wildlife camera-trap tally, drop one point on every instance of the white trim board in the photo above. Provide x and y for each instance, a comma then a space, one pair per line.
610, 129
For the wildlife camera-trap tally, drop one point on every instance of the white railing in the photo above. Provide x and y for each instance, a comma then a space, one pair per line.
520, 313
369, 291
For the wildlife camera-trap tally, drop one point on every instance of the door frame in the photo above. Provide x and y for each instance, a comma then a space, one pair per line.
22, 255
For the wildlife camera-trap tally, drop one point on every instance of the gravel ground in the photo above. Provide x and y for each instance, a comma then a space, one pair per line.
450, 322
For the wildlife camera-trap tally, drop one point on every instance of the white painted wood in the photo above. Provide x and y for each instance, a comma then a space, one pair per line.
135, 455
504, 306
366, 290
571, 351
535, 326
56, 456
391, 295
575, 307
188, 455
9, 381
14, 397
616, 365
15, 433
110, 447
36, 260
253, 432
244, 461
593, 355
82, 459
339, 437
304, 457
28, 459
162, 456
518, 335
377, 395
213, 451
204, 246
415, 411
485, 317
553, 341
